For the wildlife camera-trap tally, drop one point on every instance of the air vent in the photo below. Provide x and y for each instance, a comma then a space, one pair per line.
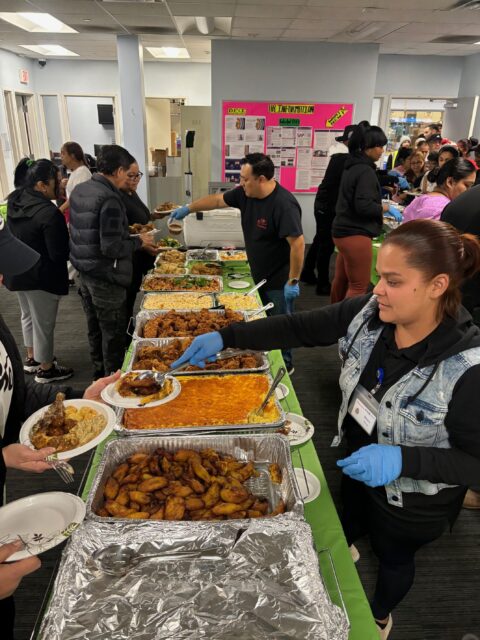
455, 40
84, 28
472, 5
154, 31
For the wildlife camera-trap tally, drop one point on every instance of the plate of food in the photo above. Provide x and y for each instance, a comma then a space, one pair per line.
233, 255
41, 521
137, 389
71, 426
137, 228
164, 244
164, 209
297, 428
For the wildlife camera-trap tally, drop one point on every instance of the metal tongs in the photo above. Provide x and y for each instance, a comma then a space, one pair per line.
280, 373
257, 312
257, 286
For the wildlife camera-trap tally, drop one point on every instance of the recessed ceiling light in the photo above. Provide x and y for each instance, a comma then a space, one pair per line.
476, 43
86, 20
37, 22
49, 49
168, 52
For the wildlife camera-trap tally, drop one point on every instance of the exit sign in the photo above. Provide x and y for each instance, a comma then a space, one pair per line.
23, 73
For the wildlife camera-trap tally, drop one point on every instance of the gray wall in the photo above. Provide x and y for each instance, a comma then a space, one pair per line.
425, 76
84, 126
470, 84
320, 72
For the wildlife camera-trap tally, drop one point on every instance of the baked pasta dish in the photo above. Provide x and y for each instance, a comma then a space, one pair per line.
238, 301
171, 255
176, 301
160, 358
206, 269
188, 323
155, 282
209, 401
66, 428
185, 485
146, 388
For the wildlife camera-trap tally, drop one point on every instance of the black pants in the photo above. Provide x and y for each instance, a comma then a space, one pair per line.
104, 306
393, 541
142, 262
321, 249
7, 618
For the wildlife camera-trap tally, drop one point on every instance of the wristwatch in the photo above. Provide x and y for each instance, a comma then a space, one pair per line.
293, 281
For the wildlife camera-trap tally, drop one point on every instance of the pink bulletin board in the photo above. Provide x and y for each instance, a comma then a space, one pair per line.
296, 136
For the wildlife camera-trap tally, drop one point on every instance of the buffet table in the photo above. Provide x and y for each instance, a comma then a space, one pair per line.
320, 514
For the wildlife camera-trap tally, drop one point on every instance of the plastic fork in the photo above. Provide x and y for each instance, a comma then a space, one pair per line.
64, 470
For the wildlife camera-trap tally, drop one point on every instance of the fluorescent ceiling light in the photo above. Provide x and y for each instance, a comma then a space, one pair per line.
48, 49
37, 22
168, 52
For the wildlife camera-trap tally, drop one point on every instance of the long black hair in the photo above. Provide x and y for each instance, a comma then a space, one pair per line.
457, 168
29, 172
366, 137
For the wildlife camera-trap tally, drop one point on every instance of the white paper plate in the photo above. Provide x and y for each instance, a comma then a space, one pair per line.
239, 284
282, 391
110, 395
41, 521
72, 453
313, 490
301, 429
163, 211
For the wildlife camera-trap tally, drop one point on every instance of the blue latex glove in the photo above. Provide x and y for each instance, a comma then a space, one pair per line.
375, 465
291, 291
204, 347
394, 213
180, 213
403, 183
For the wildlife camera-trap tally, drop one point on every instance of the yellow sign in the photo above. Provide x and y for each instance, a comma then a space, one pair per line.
336, 117
291, 108
236, 111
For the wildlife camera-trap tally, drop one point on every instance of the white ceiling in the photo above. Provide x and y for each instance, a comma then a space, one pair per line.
405, 27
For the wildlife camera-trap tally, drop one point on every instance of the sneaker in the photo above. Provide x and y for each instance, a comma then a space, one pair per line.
385, 632
55, 373
290, 370
355, 553
30, 365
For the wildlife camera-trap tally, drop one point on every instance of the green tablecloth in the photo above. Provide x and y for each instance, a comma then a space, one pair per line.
320, 514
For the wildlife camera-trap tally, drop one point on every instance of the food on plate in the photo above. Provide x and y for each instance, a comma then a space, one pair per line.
171, 255
66, 428
188, 323
133, 385
166, 206
202, 254
175, 227
169, 242
170, 268
160, 358
140, 228
155, 282
209, 400
233, 254
206, 269
185, 485
238, 301
176, 301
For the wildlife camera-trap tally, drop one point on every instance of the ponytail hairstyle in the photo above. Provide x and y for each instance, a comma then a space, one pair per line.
365, 137
75, 150
457, 169
435, 247
29, 172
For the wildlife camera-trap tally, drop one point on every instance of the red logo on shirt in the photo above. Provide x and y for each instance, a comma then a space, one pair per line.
262, 223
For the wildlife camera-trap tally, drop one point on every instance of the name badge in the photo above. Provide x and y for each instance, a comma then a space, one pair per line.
364, 409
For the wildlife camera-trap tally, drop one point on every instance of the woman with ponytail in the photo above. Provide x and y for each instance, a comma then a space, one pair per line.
410, 404
36, 221
73, 159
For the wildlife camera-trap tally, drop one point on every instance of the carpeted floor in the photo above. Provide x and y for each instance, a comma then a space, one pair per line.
444, 602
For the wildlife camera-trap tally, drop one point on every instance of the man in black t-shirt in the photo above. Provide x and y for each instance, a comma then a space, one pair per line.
272, 228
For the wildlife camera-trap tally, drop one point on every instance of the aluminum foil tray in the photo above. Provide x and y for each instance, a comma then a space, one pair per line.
263, 450
143, 316
202, 255
267, 587
217, 279
262, 361
180, 306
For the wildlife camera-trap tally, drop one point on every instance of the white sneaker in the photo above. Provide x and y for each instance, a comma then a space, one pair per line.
354, 552
384, 633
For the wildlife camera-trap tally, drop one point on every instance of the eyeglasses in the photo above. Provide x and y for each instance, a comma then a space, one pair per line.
135, 176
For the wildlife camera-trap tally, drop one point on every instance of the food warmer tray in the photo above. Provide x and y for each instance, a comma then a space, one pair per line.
203, 255
177, 293
217, 279
144, 316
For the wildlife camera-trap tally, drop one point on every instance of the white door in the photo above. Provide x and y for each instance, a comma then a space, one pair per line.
459, 118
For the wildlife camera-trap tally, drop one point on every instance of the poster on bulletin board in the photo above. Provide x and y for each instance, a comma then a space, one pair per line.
296, 136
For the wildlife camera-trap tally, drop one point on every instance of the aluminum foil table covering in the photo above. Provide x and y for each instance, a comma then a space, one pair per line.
268, 586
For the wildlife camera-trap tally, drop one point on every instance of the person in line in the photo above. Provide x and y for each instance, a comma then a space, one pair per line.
73, 158
272, 229
33, 218
431, 129
453, 178
414, 171
465, 146
409, 413
429, 180
435, 142
422, 145
322, 247
101, 250
359, 212
137, 213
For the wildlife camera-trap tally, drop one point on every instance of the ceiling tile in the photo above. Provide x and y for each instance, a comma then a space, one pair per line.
207, 9
260, 33
266, 11
267, 23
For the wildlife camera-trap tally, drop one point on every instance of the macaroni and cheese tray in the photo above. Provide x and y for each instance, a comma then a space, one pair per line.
180, 301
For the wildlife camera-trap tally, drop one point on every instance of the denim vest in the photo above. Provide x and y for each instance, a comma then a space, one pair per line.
403, 417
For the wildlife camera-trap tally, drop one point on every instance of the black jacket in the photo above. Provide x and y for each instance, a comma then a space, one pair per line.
464, 214
27, 395
138, 213
327, 193
36, 221
359, 206
100, 244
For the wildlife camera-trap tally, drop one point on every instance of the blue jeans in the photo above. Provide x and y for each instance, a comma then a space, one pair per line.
277, 297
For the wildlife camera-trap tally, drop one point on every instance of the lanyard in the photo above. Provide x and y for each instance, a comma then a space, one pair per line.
380, 379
